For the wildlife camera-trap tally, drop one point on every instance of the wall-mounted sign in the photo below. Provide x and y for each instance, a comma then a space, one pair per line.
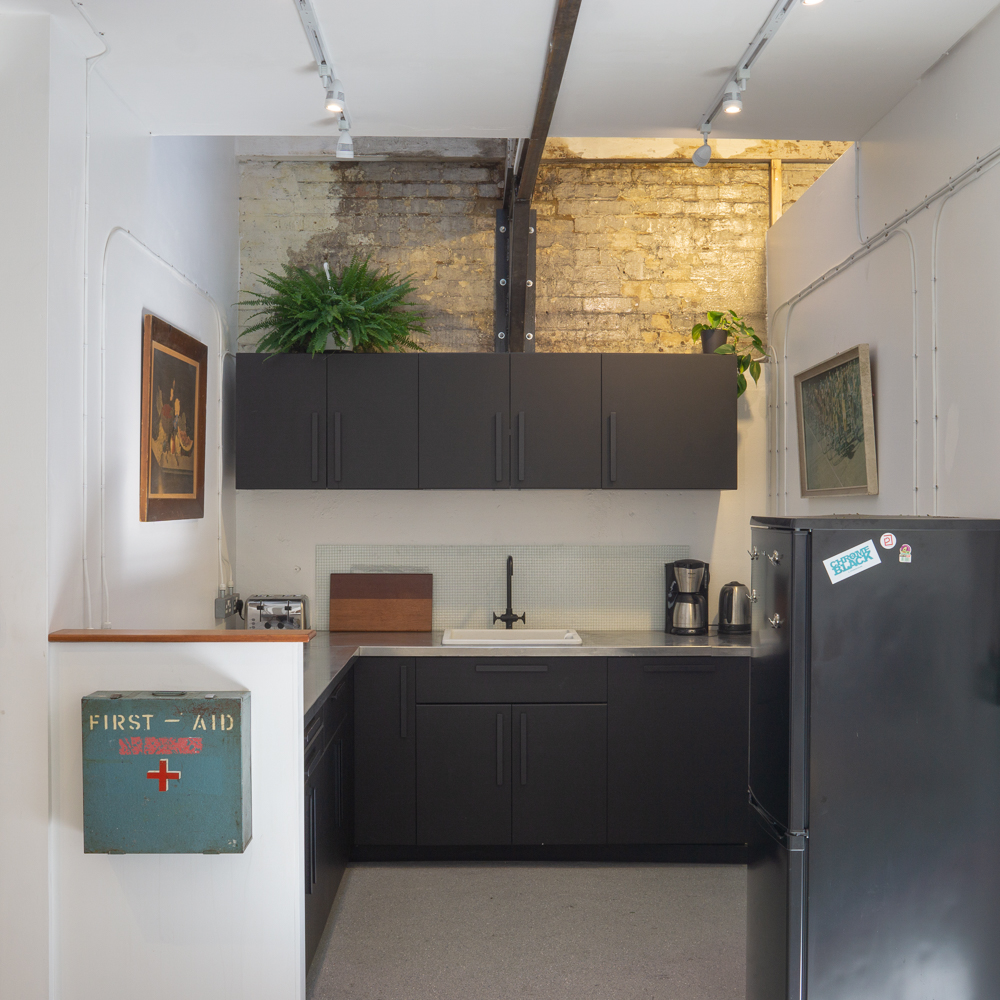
166, 772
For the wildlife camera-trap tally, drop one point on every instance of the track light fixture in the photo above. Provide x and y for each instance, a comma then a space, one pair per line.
732, 102
335, 102
345, 147
704, 152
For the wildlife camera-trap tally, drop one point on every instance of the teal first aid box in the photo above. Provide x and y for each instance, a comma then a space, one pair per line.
166, 772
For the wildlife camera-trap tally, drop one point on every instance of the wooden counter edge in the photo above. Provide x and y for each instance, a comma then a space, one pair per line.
179, 635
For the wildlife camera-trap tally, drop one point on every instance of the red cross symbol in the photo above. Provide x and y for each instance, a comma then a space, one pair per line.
163, 775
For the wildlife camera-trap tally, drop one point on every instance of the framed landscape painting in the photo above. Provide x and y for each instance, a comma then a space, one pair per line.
172, 458
836, 418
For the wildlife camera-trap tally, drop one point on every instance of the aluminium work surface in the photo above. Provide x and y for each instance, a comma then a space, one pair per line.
328, 655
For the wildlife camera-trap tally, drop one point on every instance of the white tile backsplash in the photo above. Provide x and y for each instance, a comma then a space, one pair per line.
558, 586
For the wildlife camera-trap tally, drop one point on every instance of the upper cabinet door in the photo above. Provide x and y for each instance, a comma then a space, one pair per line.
555, 415
372, 421
280, 422
669, 422
464, 421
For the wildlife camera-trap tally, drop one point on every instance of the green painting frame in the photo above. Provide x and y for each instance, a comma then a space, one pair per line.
835, 409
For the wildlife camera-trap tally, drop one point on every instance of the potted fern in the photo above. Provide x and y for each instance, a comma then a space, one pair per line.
361, 308
722, 335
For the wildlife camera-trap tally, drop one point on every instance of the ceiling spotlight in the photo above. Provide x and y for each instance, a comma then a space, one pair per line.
335, 102
703, 153
810, 3
345, 147
732, 103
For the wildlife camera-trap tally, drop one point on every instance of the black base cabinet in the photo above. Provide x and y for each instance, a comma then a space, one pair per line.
563, 757
677, 750
328, 830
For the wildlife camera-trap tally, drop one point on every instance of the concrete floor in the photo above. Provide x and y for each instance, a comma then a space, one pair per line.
554, 931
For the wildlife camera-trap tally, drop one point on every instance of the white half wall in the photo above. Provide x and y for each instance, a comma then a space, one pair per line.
204, 927
923, 296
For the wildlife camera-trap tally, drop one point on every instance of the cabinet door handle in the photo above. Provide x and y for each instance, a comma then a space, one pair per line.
315, 447
680, 668
613, 438
402, 701
520, 447
311, 842
524, 748
499, 748
498, 444
336, 447
512, 668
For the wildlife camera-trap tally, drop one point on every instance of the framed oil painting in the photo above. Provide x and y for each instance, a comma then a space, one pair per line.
836, 417
172, 464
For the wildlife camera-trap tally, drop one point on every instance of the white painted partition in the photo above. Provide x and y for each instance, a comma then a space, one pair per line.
924, 295
202, 927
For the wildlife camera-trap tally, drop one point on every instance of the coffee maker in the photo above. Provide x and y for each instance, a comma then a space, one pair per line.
687, 597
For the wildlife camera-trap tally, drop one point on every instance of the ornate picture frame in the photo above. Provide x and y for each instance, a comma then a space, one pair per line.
172, 446
836, 423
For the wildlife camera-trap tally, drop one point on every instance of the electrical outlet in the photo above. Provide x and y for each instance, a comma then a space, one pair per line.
227, 604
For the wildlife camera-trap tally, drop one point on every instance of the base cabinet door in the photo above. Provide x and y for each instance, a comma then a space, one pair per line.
384, 752
560, 774
321, 874
677, 751
463, 774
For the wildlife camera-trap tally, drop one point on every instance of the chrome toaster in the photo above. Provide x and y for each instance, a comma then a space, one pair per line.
278, 611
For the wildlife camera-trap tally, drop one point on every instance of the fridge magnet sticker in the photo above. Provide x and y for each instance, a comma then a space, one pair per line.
850, 562
905, 554
888, 540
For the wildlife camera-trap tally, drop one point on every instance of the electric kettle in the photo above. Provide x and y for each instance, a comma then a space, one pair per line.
734, 609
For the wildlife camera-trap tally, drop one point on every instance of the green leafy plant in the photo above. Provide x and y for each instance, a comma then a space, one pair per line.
736, 331
359, 306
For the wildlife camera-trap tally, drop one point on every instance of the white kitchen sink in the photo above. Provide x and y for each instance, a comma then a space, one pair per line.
511, 637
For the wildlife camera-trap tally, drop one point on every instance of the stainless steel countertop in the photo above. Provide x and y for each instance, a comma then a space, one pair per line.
329, 654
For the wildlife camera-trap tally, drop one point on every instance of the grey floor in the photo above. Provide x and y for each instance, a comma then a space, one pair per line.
557, 931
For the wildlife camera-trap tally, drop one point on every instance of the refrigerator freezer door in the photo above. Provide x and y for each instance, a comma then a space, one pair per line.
775, 915
904, 818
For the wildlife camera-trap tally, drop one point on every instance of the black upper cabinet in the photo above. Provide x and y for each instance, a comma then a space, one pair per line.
669, 421
677, 750
555, 414
372, 422
280, 422
464, 421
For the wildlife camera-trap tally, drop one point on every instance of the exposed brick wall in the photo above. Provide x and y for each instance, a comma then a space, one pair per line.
630, 255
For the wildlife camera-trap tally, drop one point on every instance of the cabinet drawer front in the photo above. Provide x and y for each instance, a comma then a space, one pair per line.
490, 679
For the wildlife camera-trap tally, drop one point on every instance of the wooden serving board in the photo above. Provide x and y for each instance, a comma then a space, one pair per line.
380, 602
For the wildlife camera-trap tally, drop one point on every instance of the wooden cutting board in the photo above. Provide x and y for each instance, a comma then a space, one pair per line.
380, 602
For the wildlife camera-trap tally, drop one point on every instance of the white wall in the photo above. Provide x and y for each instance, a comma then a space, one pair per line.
155, 228
924, 297
24, 112
279, 529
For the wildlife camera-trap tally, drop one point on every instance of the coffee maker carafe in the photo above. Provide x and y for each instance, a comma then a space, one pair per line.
687, 597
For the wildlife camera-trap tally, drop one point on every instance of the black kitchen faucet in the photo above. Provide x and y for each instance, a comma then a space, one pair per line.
508, 617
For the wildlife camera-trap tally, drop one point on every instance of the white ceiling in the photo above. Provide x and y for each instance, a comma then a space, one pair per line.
473, 67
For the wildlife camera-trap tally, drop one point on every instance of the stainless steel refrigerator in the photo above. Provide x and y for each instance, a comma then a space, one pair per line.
874, 857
